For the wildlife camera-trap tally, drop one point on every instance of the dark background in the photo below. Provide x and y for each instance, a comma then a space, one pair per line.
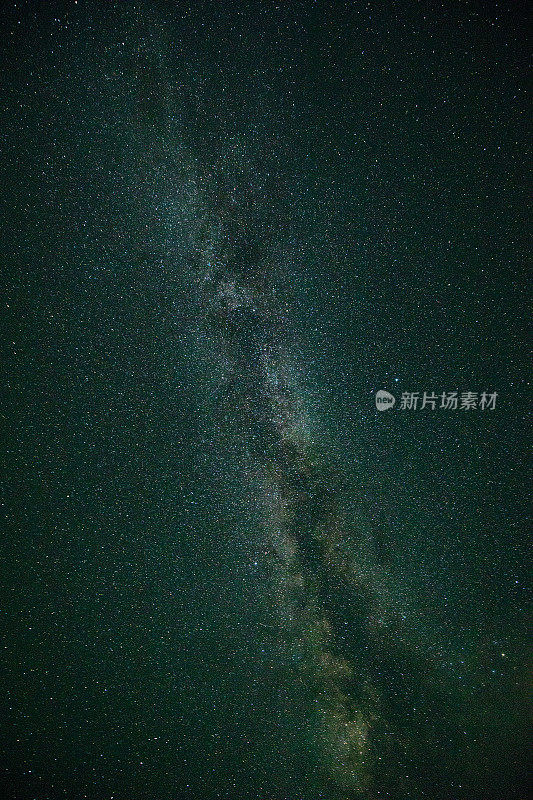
394, 138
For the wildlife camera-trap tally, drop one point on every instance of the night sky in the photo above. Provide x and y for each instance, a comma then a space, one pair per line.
225, 573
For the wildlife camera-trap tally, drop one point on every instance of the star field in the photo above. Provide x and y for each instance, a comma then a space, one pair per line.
226, 574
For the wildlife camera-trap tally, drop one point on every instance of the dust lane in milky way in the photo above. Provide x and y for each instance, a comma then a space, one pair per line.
303, 521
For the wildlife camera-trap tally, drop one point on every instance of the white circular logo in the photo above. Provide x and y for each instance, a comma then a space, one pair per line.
384, 400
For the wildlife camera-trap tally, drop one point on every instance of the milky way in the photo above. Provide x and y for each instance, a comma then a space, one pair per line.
229, 576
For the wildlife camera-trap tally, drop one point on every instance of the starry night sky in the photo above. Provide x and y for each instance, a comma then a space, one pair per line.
225, 573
